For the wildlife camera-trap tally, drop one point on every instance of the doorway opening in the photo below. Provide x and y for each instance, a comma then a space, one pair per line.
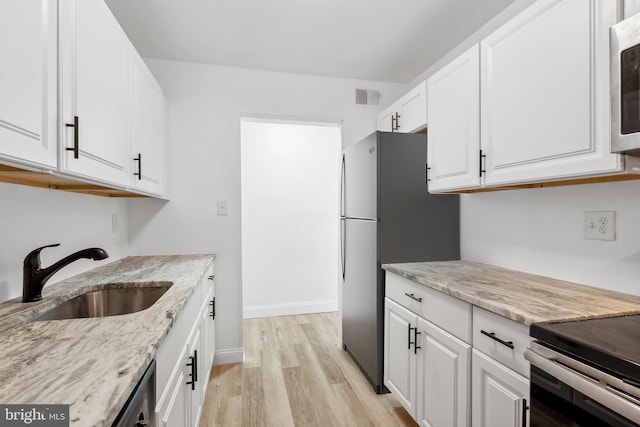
290, 186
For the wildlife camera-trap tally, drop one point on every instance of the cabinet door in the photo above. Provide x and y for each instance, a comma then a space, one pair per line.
208, 338
399, 360
444, 366
545, 93
500, 396
412, 110
196, 357
385, 122
148, 139
28, 81
96, 87
453, 108
173, 403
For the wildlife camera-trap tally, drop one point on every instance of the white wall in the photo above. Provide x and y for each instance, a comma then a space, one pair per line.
290, 209
32, 217
205, 106
540, 231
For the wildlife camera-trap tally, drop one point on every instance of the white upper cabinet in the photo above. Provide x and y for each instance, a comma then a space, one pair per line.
148, 144
541, 109
96, 93
545, 93
28, 82
408, 114
453, 112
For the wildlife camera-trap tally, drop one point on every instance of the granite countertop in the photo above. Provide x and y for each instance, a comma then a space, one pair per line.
523, 297
92, 364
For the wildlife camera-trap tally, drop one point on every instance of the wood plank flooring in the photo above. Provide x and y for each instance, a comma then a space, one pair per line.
295, 374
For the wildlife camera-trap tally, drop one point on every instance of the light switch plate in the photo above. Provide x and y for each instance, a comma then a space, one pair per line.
222, 207
599, 225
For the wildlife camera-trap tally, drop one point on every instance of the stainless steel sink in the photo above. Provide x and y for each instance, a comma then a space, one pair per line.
108, 301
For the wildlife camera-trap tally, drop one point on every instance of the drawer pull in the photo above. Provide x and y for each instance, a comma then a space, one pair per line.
413, 297
493, 336
409, 342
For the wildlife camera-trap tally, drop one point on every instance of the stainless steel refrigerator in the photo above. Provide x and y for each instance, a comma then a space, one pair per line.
386, 216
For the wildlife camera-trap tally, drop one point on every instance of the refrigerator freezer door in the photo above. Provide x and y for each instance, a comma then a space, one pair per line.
360, 297
360, 179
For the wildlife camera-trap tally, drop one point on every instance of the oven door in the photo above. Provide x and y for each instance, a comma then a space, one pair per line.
625, 86
566, 392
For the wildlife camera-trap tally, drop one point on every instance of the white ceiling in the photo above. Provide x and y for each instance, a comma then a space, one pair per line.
386, 40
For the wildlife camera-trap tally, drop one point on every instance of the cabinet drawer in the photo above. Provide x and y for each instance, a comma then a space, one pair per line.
449, 313
502, 339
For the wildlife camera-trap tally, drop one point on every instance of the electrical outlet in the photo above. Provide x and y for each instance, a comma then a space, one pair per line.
600, 225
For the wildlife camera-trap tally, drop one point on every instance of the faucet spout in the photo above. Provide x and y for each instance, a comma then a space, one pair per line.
34, 277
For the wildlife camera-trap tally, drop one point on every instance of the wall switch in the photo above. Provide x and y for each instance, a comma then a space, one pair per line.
222, 207
114, 223
600, 225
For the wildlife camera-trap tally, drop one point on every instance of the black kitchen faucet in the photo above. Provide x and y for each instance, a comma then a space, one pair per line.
34, 277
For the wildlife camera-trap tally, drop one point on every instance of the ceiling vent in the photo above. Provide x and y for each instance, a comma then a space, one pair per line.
367, 97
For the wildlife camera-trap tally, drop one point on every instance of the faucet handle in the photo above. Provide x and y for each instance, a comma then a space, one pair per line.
33, 258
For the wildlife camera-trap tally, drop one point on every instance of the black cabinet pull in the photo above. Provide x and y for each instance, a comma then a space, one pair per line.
482, 160
76, 137
213, 308
195, 369
211, 277
409, 337
393, 123
493, 336
192, 374
525, 407
415, 340
139, 160
426, 173
397, 121
413, 297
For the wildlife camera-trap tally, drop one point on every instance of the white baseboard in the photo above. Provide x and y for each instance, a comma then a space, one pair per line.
229, 355
252, 312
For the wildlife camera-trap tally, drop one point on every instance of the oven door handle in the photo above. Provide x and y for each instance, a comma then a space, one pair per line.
593, 383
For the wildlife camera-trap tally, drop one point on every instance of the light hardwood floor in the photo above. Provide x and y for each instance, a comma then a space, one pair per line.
296, 375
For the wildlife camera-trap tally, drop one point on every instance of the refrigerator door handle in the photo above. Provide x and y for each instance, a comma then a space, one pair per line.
343, 241
343, 192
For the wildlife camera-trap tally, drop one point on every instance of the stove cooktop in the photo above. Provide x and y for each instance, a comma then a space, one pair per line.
611, 344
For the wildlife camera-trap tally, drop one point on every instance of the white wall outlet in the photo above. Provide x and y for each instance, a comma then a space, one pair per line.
600, 225
114, 223
222, 207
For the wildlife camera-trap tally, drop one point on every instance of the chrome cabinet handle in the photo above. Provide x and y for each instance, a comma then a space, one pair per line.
493, 336
413, 297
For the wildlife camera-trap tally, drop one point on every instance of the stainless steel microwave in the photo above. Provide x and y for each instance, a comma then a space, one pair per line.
625, 86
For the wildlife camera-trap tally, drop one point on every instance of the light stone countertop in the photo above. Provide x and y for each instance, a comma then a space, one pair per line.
92, 364
523, 297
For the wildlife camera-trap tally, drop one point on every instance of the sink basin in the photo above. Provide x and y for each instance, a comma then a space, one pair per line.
108, 301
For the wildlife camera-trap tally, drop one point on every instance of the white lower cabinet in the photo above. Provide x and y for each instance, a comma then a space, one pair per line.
500, 395
426, 367
184, 360
399, 362
434, 371
444, 363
